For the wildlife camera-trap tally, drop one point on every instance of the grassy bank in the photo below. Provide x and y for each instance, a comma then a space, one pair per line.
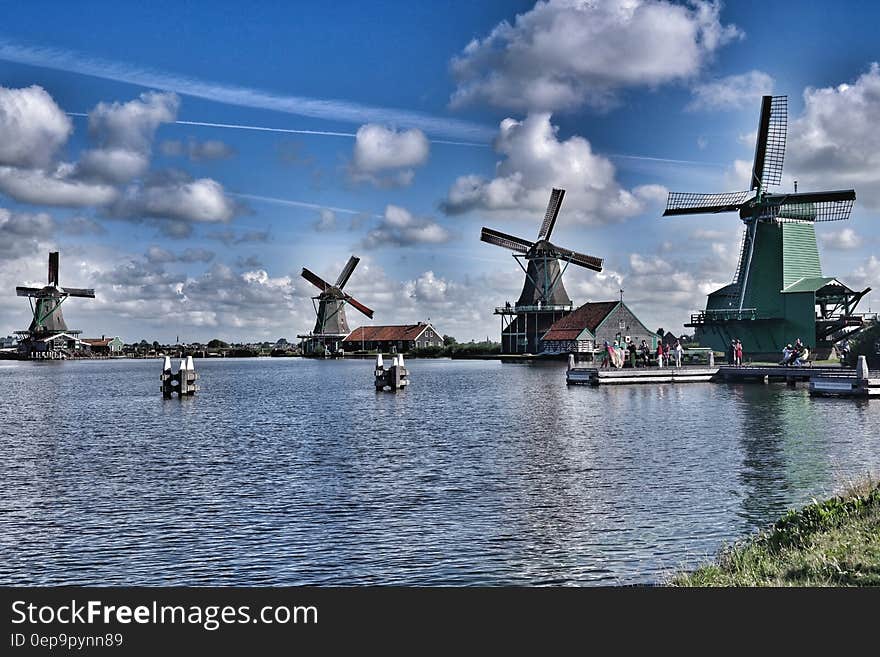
830, 543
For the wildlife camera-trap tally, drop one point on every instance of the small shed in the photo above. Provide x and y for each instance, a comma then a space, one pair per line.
586, 329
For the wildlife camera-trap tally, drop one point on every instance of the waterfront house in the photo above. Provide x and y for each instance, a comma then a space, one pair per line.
393, 338
586, 329
105, 346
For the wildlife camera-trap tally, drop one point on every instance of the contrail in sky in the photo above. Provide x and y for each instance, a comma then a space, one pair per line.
323, 133
319, 108
301, 204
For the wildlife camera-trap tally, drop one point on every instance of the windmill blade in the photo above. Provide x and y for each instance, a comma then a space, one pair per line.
27, 291
686, 203
53, 268
810, 206
506, 241
580, 259
357, 304
315, 280
553, 206
346, 271
79, 292
770, 145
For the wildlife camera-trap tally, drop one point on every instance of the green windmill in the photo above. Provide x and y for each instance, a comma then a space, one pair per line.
778, 293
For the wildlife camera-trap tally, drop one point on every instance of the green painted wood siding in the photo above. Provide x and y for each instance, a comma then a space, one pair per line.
800, 253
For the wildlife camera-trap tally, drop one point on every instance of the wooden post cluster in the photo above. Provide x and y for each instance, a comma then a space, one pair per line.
183, 382
394, 377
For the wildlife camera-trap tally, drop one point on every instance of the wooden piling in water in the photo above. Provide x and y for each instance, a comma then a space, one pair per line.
183, 382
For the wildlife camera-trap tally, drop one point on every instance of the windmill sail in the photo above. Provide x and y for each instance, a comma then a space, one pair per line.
357, 304
552, 212
505, 241
813, 206
346, 271
53, 268
770, 144
79, 292
315, 280
580, 259
679, 203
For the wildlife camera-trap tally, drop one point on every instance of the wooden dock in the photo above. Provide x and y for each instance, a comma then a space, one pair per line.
777, 373
860, 382
824, 381
845, 386
595, 376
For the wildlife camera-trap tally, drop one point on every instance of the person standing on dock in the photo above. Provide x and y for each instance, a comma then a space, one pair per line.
739, 353
731, 353
679, 351
660, 354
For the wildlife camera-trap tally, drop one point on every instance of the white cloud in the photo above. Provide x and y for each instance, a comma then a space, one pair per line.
732, 92
21, 233
40, 187
835, 144
562, 54
124, 134
399, 227
385, 156
326, 220
32, 127
202, 200
31, 132
535, 161
866, 275
132, 125
845, 239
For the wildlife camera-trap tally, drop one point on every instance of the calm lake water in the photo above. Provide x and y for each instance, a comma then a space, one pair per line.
289, 471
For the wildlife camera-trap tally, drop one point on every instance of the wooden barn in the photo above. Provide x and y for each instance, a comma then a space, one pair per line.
393, 338
586, 329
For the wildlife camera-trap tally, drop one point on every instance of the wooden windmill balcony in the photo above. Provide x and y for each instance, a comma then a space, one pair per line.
510, 309
718, 316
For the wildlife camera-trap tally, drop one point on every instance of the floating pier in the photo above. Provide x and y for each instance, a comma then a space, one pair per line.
595, 376
183, 382
861, 383
790, 374
394, 377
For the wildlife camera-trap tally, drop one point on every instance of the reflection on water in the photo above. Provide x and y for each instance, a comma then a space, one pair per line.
293, 472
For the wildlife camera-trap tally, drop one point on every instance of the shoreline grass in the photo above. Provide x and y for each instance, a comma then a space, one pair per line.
835, 542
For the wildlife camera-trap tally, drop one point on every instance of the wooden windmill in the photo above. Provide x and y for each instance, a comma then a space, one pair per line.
47, 322
331, 325
543, 299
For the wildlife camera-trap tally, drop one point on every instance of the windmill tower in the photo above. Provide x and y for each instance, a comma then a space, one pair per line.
543, 299
778, 293
331, 326
48, 332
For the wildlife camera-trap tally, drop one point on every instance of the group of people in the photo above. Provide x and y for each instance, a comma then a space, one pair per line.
735, 352
795, 355
640, 355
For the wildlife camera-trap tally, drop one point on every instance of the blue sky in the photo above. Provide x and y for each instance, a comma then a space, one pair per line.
403, 140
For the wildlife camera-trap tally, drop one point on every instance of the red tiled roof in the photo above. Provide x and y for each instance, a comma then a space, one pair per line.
588, 316
98, 342
386, 333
